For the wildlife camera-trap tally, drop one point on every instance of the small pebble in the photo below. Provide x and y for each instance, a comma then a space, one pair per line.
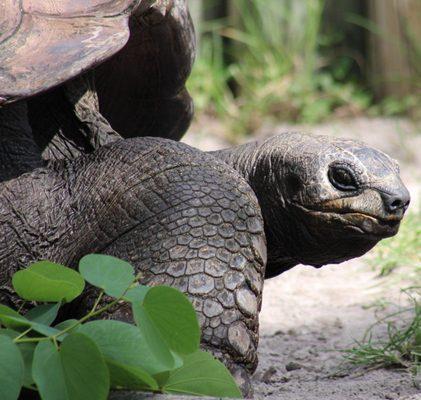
292, 366
268, 375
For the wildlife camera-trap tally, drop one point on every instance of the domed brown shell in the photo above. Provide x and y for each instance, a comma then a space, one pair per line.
46, 42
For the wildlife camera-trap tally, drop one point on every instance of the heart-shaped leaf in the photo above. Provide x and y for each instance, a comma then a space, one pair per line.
136, 294
11, 369
43, 314
10, 333
153, 338
27, 351
12, 319
130, 377
167, 313
77, 371
67, 324
48, 282
124, 344
108, 273
202, 375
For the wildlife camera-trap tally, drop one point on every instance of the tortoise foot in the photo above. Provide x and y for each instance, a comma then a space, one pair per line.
243, 379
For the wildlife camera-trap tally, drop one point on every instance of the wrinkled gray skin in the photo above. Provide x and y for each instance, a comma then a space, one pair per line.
199, 221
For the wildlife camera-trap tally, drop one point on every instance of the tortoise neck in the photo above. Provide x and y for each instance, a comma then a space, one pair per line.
242, 158
253, 162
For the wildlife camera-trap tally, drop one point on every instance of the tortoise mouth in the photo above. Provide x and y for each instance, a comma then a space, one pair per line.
356, 223
366, 224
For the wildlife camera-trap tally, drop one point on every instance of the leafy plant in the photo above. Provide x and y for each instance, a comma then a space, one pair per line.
85, 358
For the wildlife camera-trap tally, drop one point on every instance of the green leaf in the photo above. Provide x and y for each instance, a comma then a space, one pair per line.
11, 369
136, 294
129, 377
178, 360
124, 344
27, 351
162, 378
203, 375
43, 314
48, 373
78, 371
172, 315
10, 333
110, 274
67, 324
45, 329
49, 282
11, 319
153, 338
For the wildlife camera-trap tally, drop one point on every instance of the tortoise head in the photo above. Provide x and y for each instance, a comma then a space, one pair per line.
324, 200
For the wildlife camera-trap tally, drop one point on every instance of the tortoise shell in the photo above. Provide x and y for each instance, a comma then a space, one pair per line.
43, 43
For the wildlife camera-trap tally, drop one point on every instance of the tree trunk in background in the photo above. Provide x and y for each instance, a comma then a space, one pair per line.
394, 47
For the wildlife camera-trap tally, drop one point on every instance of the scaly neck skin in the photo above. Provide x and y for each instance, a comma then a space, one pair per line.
241, 158
254, 164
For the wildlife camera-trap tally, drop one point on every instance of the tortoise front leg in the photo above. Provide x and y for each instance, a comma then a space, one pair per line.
209, 243
179, 215
186, 220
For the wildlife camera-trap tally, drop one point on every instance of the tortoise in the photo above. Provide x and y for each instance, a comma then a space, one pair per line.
93, 105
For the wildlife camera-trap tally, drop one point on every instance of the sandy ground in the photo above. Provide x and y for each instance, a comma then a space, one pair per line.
309, 314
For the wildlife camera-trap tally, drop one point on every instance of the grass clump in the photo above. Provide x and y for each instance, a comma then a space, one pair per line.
400, 346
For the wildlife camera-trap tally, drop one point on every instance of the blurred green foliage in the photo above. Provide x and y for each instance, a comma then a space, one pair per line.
272, 59
402, 252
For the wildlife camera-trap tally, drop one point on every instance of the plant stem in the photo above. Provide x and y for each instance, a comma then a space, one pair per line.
34, 339
22, 335
92, 313
97, 302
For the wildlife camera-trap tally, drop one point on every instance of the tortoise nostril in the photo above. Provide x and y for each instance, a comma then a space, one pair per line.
396, 201
396, 204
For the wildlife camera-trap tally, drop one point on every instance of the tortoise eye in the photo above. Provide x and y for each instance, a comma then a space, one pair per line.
342, 178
